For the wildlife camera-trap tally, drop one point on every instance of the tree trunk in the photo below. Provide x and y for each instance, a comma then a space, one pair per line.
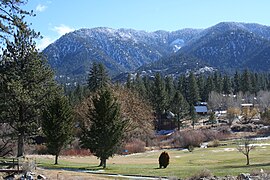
178, 121
20, 151
247, 159
56, 159
102, 163
21, 130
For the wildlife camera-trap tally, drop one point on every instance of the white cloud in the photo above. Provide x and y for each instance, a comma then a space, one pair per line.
41, 8
62, 29
47, 40
44, 42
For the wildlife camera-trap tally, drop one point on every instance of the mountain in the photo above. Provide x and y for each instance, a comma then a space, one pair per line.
120, 50
225, 47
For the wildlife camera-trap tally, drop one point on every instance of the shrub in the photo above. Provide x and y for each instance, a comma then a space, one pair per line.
134, 146
189, 138
76, 152
164, 159
214, 143
195, 138
190, 148
205, 173
41, 149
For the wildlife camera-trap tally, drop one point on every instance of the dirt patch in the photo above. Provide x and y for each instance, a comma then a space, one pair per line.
67, 175
60, 175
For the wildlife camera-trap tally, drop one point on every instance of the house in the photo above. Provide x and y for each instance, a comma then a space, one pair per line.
202, 110
166, 121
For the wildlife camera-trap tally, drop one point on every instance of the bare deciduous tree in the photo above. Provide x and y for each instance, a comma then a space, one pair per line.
245, 147
6, 143
263, 99
232, 114
134, 109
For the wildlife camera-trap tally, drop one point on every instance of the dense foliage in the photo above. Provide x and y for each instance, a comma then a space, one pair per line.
57, 124
103, 129
26, 83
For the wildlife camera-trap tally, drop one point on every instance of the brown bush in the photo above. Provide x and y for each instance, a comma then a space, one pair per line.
194, 138
164, 159
189, 138
134, 146
214, 143
76, 152
40, 149
205, 173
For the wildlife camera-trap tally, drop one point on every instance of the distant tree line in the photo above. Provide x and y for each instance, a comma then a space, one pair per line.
178, 94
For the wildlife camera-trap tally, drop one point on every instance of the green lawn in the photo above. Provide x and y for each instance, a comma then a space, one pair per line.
221, 161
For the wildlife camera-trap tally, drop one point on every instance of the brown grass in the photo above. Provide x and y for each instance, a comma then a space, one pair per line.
67, 175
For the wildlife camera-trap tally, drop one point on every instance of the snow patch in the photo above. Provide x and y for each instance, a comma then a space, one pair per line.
177, 44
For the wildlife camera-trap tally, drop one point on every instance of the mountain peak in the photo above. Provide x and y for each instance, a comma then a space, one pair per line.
228, 44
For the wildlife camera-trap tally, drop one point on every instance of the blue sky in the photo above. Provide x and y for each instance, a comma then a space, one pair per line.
57, 17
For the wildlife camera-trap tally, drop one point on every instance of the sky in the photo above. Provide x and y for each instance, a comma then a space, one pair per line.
55, 18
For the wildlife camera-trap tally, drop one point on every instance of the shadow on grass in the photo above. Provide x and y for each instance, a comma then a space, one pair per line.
94, 168
246, 166
72, 168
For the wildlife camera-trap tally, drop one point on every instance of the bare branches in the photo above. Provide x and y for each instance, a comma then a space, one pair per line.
245, 147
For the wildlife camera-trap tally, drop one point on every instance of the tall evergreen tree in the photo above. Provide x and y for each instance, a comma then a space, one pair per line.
181, 85
12, 19
148, 84
129, 81
236, 83
179, 106
201, 87
159, 98
26, 81
226, 85
255, 83
245, 83
169, 88
217, 82
209, 87
192, 90
139, 85
106, 131
57, 125
193, 115
98, 77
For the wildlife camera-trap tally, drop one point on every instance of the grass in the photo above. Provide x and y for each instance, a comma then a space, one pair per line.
221, 161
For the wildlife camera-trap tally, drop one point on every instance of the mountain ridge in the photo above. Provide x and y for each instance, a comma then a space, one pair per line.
224, 46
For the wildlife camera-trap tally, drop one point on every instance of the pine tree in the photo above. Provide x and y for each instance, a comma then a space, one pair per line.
192, 90
129, 81
226, 85
217, 82
98, 77
255, 83
57, 125
148, 84
193, 115
209, 87
169, 88
236, 83
181, 85
179, 106
26, 83
139, 85
12, 20
201, 87
159, 98
245, 83
105, 133
212, 118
